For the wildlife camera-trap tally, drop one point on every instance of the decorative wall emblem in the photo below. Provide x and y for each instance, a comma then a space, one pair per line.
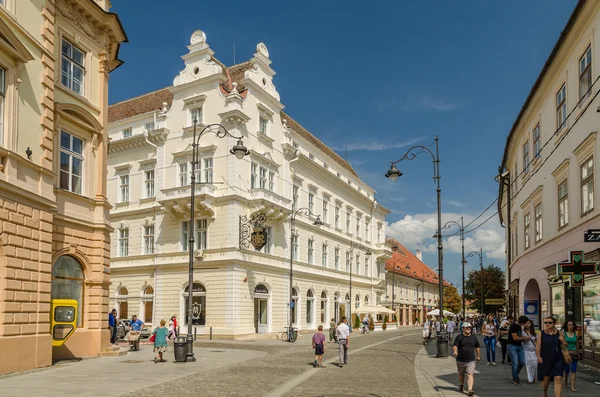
258, 238
252, 231
198, 37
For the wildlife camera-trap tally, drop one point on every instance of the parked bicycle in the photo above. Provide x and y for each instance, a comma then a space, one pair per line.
290, 335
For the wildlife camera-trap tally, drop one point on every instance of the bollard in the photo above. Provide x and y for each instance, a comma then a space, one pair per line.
210, 333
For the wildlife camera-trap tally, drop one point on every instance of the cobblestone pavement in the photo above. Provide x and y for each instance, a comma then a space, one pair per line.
380, 364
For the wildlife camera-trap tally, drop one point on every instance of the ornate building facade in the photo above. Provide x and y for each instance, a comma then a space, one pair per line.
54, 229
237, 290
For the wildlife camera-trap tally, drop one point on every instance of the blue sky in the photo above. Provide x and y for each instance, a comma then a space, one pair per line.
382, 76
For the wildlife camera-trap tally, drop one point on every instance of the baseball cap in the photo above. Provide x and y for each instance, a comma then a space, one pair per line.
467, 325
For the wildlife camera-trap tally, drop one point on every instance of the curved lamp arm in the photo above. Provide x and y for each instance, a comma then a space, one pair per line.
475, 252
412, 153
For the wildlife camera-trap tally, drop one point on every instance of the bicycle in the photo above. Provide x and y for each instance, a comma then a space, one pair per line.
364, 329
290, 335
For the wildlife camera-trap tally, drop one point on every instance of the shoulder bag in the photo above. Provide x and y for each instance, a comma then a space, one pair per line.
565, 352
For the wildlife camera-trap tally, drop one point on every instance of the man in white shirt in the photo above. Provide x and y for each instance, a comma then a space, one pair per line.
450, 326
343, 334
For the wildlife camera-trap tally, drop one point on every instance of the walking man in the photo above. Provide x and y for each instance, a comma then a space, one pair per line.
515, 348
467, 352
332, 327
343, 335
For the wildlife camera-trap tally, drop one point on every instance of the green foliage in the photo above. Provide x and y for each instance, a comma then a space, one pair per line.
356, 321
493, 287
371, 323
384, 325
452, 300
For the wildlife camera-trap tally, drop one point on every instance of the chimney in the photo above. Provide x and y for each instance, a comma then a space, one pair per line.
419, 255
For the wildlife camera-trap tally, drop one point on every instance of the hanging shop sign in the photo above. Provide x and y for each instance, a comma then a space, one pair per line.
591, 235
576, 268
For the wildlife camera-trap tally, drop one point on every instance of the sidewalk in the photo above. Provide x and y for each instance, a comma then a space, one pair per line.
437, 377
115, 376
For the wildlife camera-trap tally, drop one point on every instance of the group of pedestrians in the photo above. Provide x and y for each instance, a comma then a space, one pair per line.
548, 356
338, 333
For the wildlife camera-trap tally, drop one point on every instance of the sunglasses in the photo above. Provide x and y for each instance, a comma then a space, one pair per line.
548, 322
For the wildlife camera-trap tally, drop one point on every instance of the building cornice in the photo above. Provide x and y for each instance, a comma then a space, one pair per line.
125, 144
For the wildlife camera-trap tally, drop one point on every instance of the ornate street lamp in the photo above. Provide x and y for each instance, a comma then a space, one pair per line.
307, 212
480, 254
394, 173
239, 151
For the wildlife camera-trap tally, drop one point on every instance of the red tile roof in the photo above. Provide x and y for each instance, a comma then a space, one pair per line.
402, 257
139, 105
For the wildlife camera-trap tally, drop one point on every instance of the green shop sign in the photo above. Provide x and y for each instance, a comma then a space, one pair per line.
576, 268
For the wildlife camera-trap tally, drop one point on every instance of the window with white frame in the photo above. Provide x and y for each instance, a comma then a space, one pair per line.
149, 183
149, 126
185, 235
71, 162
324, 255
208, 170
348, 231
124, 188
367, 266
124, 241
337, 217
348, 261
587, 186
526, 157
196, 114
527, 230
563, 204
127, 132
2, 100
367, 228
183, 174
253, 175
148, 240
379, 232
336, 254
202, 234
269, 245
538, 222
561, 107
585, 73
537, 143
311, 251
295, 190
72, 67
325, 210
263, 125
311, 202
263, 177
357, 263
358, 226
295, 247
271, 181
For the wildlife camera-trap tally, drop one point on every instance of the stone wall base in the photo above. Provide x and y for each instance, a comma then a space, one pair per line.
25, 352
83, 343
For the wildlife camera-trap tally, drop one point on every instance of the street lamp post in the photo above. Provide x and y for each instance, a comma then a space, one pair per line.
461, 227
239, 151
317, 223
393, 173
367, 254
480, 254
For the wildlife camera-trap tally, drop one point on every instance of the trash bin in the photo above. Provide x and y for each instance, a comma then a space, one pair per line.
180, 348
442, 344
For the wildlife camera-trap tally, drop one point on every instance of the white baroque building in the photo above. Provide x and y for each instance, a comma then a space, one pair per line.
237, 290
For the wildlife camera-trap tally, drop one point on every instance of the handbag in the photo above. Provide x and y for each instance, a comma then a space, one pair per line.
152, 338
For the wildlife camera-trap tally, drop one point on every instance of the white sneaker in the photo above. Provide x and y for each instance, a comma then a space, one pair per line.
488, 364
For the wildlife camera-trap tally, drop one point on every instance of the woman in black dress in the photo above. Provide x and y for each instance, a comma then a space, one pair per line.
550, 360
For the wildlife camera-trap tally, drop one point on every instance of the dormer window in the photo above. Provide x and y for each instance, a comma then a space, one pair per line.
127, 132
149, 126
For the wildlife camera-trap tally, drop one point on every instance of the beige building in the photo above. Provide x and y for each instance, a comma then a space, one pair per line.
551, 157
237, 290
55, 57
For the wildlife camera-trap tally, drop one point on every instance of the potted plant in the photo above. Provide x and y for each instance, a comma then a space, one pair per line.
371, 323
356, 321
384, 325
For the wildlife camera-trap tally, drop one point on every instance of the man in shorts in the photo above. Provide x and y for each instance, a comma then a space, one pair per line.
467, 353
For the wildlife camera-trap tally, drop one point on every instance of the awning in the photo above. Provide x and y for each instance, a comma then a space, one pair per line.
436, 312
374, 309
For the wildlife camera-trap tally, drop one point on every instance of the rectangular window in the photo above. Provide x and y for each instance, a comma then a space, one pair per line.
196, 169
357, 226
253, 175
2, 100
201, 234
348, 261
124, 242
337, 217
127, 132
72, 67
183, 174
337, 258
311, 251
587, 186
149, 183
324, 255
271, 181
124, 188
71, 162
263, 177
149, 126
325, 211
538, 222
295, 190
196, 114
348, 222
263, 124
208, 170
185, 235
526, 157
269, 245
367, 227
561, 107
527, 230
295, 247
537, 144
563, 205
367, 266
379, 233
357, 264
148, 240
585, 73
311, 202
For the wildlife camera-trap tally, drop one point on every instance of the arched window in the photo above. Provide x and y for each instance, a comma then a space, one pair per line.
67, 282
310, 304
336, 307
198, 304
261, 289
294, 306
148, 303
347, 298
323, 312
122, 295
357, 302
366, 300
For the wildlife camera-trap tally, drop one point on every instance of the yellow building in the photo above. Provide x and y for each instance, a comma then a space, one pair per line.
55, 58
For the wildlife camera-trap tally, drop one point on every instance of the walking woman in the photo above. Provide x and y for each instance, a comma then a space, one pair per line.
529, 347
490, 333
503, 332
571, 339
550, 360
160, 341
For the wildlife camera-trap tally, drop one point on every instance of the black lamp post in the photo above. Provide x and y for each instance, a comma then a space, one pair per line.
393, 173
480, 254
239, 151
461, 227
317, 223
368, 253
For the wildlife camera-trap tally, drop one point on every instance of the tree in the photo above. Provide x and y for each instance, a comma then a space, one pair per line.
493, 287
452, 300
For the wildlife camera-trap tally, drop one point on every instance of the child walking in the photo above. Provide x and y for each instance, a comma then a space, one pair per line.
318, 343
160, 341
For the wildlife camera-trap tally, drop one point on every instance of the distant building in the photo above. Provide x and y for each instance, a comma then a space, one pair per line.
237, 290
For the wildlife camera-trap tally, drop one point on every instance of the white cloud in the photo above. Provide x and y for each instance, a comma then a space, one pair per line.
373, 146
416, 232
454, 203
429, 102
